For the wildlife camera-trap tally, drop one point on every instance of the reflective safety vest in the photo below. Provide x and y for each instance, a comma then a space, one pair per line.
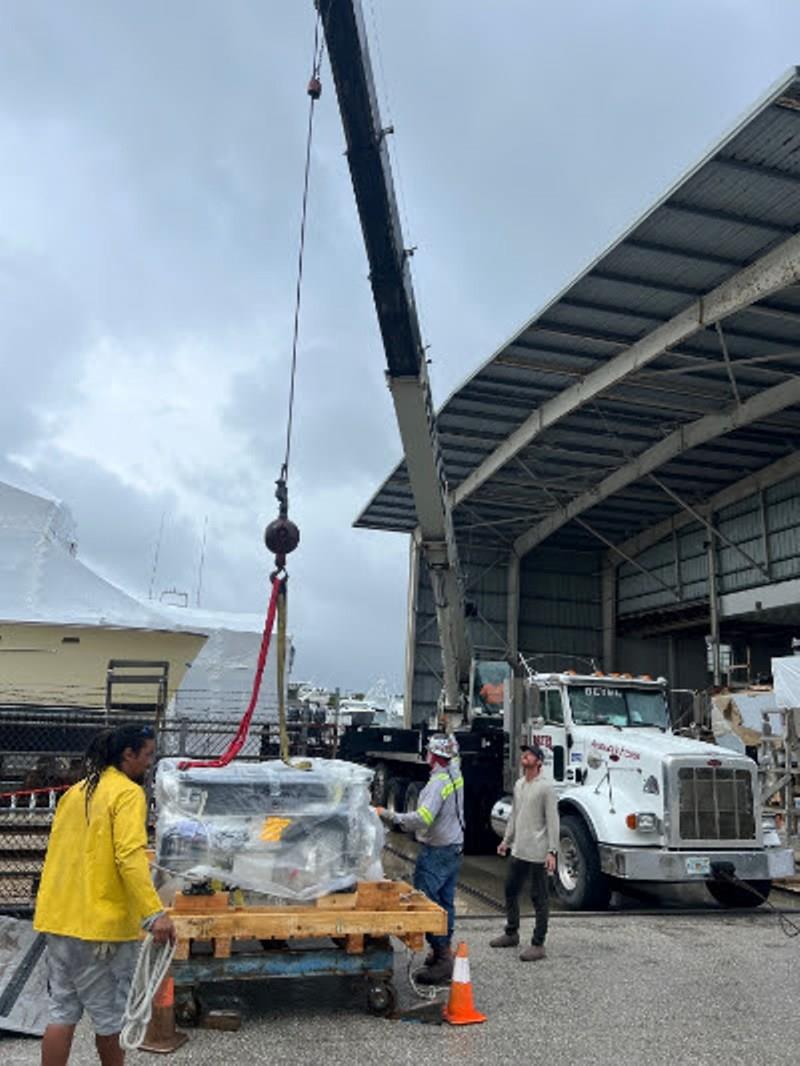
439, 817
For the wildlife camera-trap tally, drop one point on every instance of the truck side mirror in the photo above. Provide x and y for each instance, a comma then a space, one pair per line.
532, 703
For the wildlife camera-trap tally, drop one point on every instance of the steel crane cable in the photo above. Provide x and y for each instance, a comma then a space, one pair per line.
281, 535
281, 538
314, 92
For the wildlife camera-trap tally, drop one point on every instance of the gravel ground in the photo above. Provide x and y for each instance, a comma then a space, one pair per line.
672, 989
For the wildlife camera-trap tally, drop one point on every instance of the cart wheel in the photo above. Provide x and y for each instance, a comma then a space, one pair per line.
187, 1007
381, 997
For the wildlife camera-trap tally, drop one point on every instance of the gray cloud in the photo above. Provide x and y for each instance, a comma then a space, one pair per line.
148, 247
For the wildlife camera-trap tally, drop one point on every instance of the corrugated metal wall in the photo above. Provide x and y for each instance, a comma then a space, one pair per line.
682, 659
560, 610
485, 579
765, 525
560, 620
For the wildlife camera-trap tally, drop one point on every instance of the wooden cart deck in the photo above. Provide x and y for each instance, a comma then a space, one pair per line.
374, 909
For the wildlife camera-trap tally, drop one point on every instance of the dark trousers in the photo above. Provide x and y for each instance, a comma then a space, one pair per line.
518, 871
436, 874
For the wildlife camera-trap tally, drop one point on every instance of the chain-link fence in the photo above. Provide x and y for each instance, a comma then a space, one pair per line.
41, 755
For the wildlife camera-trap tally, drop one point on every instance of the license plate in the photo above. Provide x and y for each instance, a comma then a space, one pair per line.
698, 867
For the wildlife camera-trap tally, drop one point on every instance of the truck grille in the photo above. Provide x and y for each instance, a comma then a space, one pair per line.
715, 803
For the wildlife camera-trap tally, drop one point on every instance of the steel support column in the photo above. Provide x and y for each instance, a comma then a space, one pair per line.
609, 597
412, 603
512, 606
713, 600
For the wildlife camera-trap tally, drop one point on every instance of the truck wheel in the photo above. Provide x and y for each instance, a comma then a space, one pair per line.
379, 784
580, 884
479, 837
412, 796
737, 895
396, 795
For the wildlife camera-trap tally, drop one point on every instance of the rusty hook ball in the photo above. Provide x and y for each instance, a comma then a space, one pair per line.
281, 537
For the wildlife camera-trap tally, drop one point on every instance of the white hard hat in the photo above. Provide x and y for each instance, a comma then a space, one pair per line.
446, 747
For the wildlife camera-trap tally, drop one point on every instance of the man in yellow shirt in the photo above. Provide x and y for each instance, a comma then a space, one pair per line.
96, 894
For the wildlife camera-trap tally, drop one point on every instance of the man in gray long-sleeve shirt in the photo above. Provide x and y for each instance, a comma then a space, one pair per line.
532, 835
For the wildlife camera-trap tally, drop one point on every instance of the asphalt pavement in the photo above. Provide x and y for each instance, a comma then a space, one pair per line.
671, 989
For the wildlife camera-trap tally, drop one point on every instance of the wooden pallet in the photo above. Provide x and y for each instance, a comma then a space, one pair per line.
376, 909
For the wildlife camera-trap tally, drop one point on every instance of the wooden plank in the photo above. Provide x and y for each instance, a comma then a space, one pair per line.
338, 901
354, 944
380, 895
182, 950
283, 925
222, 947
414, 941
375, 909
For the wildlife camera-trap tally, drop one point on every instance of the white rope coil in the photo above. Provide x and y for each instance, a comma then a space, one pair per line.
152, 966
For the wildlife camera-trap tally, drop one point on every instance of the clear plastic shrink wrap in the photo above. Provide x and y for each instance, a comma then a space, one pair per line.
267, 827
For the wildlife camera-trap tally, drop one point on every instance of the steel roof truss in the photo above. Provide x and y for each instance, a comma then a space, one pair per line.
711, 528
677, 443
769, 274
728, 367
709, 364
629, 558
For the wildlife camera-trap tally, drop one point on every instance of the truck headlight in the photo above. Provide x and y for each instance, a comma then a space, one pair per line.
644, 821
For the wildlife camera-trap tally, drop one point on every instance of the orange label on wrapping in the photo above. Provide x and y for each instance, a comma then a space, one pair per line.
272, 829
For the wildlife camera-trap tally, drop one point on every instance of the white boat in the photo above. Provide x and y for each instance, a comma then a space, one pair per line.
60, 622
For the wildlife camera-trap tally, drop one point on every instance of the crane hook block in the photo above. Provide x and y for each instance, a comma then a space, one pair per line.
281, 537
315, 88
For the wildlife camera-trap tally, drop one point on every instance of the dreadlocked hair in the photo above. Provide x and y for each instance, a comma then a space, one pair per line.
107, 749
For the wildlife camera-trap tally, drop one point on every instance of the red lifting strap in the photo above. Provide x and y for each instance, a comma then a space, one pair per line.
237, 743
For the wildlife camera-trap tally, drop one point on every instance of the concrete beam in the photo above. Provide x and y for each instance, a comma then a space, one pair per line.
682, 440
762, 598
771, 273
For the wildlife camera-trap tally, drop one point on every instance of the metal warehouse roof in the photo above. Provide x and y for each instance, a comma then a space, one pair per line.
669, 365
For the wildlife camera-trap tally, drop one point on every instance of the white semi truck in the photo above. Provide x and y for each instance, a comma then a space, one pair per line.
638, 803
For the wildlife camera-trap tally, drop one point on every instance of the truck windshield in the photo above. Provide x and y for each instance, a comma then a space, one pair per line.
488, 682
607, 705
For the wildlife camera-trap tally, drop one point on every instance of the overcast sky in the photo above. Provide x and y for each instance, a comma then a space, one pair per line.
150, 191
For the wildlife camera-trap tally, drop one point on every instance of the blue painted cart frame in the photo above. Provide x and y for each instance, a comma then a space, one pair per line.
375, 965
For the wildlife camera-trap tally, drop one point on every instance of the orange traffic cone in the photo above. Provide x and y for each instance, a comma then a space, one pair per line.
460, 1009
162, 1036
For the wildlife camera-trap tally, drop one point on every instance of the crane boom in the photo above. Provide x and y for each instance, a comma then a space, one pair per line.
393, 293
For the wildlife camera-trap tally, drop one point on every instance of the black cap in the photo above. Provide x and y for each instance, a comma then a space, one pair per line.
534, 749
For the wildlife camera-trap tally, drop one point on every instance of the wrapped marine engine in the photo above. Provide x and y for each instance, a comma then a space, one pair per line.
267, 827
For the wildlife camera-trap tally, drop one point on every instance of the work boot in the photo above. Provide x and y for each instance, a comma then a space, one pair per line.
439, 971
533, 953
430, 958
506, 940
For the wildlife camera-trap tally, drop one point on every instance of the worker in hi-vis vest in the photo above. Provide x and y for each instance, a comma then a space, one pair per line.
438, 823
